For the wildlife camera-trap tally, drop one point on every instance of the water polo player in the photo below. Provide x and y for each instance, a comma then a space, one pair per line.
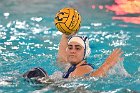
75, 50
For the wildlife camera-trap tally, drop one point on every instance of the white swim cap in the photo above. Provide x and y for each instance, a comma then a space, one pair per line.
84, 42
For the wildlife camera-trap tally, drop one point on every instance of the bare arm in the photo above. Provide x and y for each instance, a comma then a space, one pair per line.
62, 55
113, 58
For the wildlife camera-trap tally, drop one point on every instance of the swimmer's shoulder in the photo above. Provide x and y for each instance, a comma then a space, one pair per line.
82, 70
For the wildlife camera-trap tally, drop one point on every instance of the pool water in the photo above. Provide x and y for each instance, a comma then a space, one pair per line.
28, 38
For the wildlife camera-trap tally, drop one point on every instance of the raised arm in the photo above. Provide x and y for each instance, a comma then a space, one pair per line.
62, 55
113, 58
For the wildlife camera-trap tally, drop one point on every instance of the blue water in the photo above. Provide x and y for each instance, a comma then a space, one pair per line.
28, 38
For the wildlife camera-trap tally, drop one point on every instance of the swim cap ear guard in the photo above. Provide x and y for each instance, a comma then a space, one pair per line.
84, 42
87, 48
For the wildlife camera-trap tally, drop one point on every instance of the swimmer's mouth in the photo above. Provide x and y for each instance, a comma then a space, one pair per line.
71, 55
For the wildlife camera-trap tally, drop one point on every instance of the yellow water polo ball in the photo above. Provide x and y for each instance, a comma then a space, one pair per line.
67, 20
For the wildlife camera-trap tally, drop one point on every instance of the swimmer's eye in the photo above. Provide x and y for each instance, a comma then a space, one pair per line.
78, 48
70, 47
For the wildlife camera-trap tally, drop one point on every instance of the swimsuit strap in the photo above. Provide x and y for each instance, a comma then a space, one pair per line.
72, 68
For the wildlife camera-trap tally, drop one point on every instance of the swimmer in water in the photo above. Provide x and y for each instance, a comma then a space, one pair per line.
75, 50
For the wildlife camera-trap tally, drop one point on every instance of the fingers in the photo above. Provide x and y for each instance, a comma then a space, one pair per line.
72, 34
115, 57
120, 53
113, 53
116, 53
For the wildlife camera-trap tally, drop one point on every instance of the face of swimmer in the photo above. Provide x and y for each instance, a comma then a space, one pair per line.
75, 52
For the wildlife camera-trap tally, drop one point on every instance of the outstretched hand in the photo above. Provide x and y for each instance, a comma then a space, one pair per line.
112, 59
